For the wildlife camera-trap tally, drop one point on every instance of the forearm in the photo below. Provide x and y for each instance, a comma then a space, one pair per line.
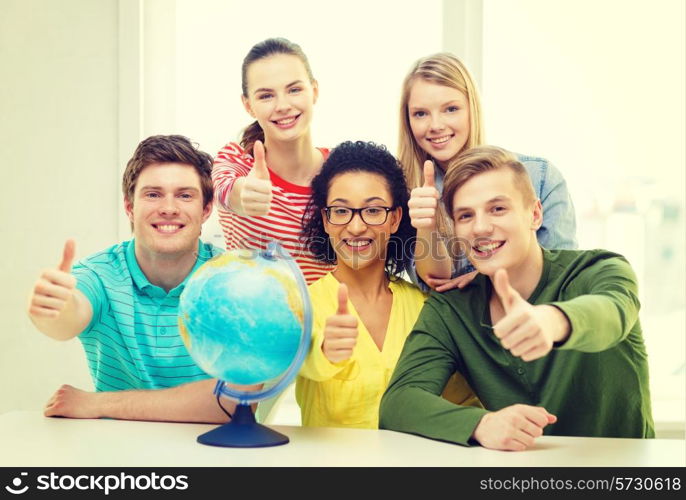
412, 402
235, 196
603, 308
192, 402
559, 326
598, 322
431, 256
417, 411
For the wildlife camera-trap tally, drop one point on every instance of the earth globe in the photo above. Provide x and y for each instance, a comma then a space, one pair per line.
245, 317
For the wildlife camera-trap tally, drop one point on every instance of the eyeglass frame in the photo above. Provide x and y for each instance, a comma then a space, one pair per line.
358, 211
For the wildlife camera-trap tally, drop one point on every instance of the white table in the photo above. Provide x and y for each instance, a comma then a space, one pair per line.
28, 439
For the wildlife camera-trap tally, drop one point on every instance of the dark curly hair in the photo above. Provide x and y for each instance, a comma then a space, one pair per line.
360, 156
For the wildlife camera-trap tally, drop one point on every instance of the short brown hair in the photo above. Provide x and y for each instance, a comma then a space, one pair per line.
478, 160
168, 149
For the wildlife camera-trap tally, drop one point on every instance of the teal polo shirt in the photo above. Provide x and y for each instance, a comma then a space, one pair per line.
133, 341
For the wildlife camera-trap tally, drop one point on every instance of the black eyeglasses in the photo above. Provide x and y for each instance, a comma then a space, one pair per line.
372, 216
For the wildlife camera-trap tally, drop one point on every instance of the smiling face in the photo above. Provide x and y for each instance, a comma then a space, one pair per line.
167, 210
499, 226
280, 96
439, 119
359, 245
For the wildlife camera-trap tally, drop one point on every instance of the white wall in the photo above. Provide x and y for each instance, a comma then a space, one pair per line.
359, 52
604, 81
58, 161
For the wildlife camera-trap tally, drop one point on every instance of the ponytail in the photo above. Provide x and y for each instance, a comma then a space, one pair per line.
252, 133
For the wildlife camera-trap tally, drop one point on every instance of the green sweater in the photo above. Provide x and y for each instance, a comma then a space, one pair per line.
596, 382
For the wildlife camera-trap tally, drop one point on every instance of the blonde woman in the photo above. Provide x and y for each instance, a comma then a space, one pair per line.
440, 116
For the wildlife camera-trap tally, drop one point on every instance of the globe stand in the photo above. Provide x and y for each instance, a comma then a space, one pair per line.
243, 432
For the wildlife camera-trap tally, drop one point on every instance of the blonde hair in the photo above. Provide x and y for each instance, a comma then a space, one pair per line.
447, 70
476, 161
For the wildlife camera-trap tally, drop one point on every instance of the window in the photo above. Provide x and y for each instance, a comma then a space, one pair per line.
598, 89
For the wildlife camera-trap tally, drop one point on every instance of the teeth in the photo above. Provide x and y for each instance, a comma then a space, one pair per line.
286, 121
440, 140
357, 243
487, 248
168, 228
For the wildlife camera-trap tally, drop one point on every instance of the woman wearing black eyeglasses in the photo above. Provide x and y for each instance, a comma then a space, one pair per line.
357, 219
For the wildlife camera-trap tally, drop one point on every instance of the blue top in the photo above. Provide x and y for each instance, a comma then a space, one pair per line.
558, 230
132, 341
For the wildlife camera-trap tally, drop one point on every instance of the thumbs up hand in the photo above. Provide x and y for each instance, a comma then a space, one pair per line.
527, 331
256, 193
509, 297
54, 288
340, 331
424, 201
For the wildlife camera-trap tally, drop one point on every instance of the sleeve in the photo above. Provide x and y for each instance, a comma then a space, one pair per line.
412, 402
462, 266
414, 277
88, 283
558, 230
230, 164
606, 307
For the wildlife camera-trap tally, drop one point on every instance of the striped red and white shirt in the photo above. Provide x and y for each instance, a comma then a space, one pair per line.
283, 223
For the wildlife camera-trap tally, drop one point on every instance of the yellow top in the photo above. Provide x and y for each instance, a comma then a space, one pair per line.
348, 393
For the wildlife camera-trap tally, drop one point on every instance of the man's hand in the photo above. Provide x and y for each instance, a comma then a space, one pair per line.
424, 201
513, 428
54, 289
527, 331
340, 332
71, 402
256, 192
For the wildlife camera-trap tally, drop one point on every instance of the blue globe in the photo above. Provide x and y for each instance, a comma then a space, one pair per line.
245, 319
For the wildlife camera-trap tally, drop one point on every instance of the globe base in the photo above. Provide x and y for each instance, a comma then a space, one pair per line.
243, 432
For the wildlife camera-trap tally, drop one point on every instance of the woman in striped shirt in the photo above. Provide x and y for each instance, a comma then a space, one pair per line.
262, 185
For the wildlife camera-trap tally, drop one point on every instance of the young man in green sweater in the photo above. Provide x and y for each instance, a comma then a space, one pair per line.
549, 340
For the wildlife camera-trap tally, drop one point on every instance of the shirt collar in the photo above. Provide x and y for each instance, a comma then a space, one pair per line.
142, 282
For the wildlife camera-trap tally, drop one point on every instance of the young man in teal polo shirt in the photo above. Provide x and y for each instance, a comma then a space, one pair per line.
549, 340
122, 302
